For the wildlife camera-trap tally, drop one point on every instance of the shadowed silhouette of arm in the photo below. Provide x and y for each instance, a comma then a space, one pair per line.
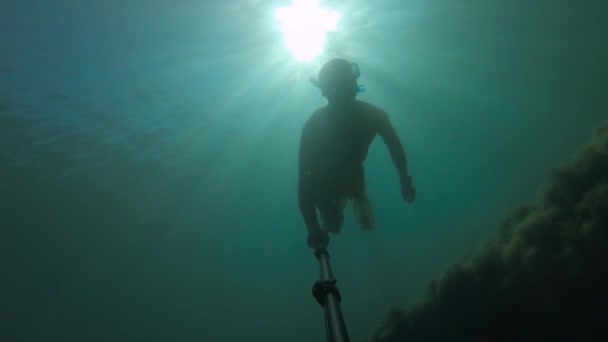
306, 193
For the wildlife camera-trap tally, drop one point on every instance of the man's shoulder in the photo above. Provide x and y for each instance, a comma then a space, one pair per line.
317, 114
315, 117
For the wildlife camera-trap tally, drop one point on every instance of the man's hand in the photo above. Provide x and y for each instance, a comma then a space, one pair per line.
317, 238
408, 191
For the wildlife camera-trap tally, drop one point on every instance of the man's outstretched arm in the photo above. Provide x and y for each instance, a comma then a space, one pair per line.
317, 238
306, 198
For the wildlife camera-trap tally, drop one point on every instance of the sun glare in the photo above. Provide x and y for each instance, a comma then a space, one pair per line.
304, 26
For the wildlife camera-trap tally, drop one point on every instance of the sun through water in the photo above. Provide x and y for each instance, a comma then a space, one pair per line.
304, 25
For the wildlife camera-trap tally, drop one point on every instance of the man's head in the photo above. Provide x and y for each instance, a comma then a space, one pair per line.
338, 80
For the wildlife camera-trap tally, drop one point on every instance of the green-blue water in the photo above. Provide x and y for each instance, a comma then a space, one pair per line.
148, 157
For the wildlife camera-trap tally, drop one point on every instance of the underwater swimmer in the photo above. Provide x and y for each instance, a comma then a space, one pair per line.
333, 146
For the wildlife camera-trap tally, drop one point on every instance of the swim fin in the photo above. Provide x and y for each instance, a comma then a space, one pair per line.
364, 213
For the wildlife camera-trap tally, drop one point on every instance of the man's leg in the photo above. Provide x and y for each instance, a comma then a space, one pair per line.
364, 213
